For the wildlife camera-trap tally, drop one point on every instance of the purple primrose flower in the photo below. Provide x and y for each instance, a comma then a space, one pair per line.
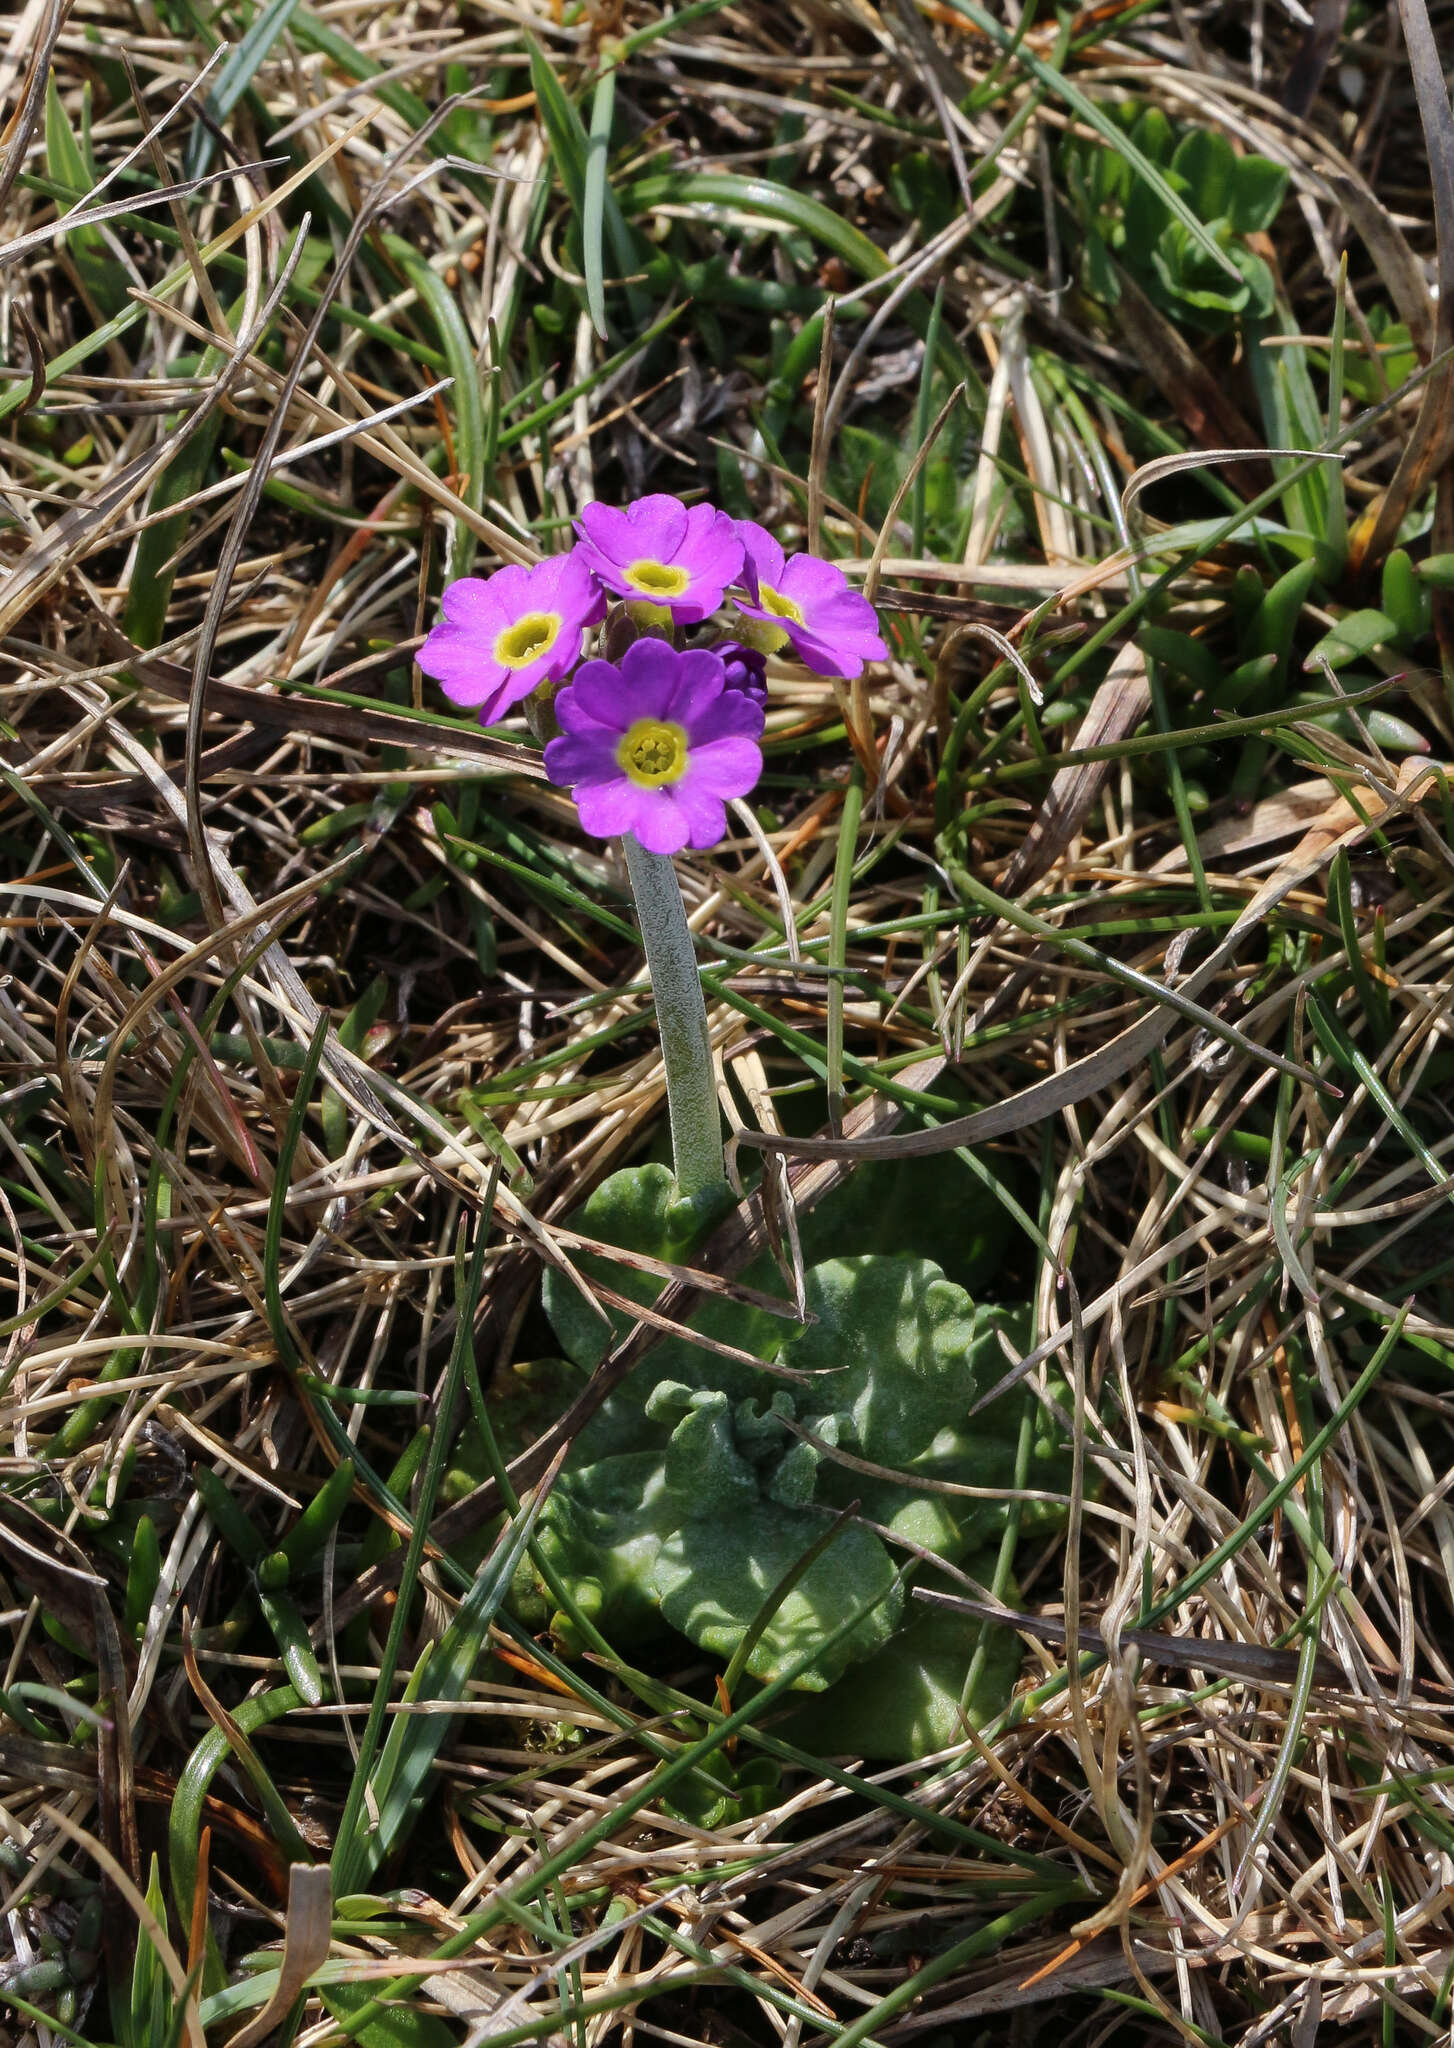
502, 635
807, 602
657, 552
656, 746
746, 668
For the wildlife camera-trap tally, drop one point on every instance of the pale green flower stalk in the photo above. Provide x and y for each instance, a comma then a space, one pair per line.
686, 1049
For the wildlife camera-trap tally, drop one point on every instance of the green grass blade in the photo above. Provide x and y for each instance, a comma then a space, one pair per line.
237, 75
467, 394
593, 197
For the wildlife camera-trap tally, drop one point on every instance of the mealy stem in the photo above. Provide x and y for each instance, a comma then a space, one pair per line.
691, 1086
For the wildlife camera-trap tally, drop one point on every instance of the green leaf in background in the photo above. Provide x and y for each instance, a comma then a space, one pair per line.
404, 2027
1366, 378
1355, 633
102, 278
151, 1989
1404, 598
1206, 164
466, 397
1259, 187
149, 591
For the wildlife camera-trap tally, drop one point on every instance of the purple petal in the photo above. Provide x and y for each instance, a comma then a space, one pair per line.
654, 526
595, 700
705, 819
700, 677
762, 558
713, 545
733, 715
658, 525
660, 822
564, 583
825, 658
746, 667
461, 663
609, 808
470, 601
810, 582
845, 613
723, 768
604, 529
584, 758
649, 670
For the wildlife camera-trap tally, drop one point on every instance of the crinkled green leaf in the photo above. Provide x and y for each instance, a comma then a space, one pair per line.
906, 1701
703, 1484
712, 1576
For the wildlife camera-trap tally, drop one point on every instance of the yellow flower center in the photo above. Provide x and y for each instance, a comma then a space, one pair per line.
527, 640
658, 579
653, 753
759, 634
648, 617
781, 607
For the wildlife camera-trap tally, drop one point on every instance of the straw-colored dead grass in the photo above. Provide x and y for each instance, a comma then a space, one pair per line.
233, 472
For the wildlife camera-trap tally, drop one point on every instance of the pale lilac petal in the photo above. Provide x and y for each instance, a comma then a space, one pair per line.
723, 768
605, 529
471, 601
837, 650
566, 582
461, 663
659, 524
847, 615
823, 660
659, 528
810, 582
762, 558
714, 545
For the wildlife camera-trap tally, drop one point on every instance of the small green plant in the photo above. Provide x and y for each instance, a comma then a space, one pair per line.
1125, 220
709, 1492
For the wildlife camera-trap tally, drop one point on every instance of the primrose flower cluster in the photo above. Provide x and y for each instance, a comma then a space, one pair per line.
658, 739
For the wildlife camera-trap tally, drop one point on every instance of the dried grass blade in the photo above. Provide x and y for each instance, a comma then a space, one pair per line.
307, 1935
1117, 708
1430, 446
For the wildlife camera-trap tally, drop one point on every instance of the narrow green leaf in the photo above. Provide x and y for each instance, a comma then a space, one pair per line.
1356, 633
290, 1632
570, 149
593, 199
467, 396
237, 75
717, 190
441, 1676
